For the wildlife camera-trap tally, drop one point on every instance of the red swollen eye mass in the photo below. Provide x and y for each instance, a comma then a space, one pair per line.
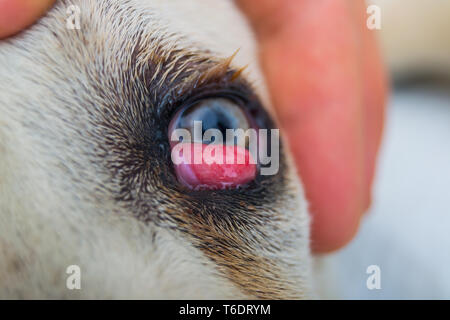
203, 163
213, 174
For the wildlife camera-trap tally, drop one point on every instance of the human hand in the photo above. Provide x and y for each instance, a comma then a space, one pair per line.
16, 15
328, 86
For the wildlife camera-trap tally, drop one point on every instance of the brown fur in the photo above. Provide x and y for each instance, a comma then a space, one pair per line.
86, 176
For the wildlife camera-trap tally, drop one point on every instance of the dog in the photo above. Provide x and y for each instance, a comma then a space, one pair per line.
85, 173
86, 176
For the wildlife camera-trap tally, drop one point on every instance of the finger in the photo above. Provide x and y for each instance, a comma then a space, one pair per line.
309, 52
16, 15
375, 86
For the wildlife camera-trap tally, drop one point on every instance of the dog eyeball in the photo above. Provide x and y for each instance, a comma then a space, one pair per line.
204, 137
218, 114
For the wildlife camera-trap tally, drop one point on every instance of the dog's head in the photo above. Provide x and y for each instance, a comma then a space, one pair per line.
86, 176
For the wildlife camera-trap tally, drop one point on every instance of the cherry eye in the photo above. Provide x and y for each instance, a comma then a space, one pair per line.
211, 145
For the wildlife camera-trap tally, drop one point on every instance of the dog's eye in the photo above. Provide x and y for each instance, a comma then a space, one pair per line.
219, 114
210, 142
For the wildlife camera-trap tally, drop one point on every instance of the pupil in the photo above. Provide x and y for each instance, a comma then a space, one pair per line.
214, 120
212, 117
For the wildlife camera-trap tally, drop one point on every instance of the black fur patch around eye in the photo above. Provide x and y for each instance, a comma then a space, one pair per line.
225, 224
140, 117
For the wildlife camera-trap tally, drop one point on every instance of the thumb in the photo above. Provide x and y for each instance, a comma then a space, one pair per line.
16, 15
310, 54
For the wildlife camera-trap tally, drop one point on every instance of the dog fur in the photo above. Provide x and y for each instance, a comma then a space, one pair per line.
85, 177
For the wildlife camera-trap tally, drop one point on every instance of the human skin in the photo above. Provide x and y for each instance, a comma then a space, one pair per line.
328, 85
16, 15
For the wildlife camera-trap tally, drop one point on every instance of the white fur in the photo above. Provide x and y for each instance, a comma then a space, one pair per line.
49, 221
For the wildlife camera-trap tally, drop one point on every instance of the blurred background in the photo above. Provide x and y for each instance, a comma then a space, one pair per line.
407, 231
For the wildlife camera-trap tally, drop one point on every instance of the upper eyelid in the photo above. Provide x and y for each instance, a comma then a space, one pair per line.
191, 89
239, 92
177, 76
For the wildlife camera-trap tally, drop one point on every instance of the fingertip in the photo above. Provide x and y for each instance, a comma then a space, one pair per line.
332, 235
15, 15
